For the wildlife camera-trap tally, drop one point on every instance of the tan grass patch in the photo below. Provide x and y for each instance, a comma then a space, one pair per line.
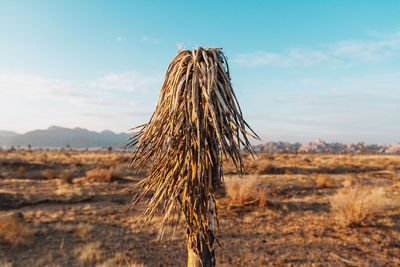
353, 205
83, 230
119, 260
21, 171
323, 180
246, 191
103, 174
90, 252
262, 166
48, 174
13, 231
66, 177
5, 263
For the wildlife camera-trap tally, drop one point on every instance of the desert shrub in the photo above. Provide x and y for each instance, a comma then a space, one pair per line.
5, 263
323, 180
353, 205
250, 190
48, 174
289, 172
90, 252
350, 180
391, 167
66, 177
21, 171
83, 230
13, 230
103, 174
261, 167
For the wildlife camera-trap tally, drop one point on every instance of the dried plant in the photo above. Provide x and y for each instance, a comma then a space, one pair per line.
48, 174
90, 252
103, 174
14, 231
197, 123
323, 181
353, 205
248, 191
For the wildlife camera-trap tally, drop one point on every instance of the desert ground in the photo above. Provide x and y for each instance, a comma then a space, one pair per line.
72, 209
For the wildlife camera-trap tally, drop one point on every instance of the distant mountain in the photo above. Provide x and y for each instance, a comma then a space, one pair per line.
57, 137
319, 146
6, 135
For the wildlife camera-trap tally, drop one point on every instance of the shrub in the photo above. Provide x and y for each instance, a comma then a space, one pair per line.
246, 191
13, 231
353, 205
21, 171
48, 174
323, 180
67, 177
102, 174
391, 167
90, 252
261, 167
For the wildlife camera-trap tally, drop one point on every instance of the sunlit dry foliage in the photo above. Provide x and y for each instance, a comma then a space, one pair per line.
250, 190
197, 123
14, 231
103, 174
353, 205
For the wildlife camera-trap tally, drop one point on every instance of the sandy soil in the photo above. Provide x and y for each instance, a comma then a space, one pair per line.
87, 223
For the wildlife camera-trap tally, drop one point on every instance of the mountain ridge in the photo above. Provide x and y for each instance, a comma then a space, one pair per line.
319, 146
56, 136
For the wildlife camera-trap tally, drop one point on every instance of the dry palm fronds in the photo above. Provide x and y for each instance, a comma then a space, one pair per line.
196, 123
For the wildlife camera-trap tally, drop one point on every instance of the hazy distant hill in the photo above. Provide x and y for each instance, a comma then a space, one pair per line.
6, 135
56, 136
319, 146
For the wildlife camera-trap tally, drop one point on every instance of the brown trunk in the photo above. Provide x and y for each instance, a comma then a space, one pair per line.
205, 256
199, 253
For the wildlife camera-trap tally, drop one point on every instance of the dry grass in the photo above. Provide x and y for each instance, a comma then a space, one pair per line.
13, 231
350, 180
353, 205
246, 191
90, 252
5, 263
119, 260
391, 167
103, 174
323, 180
298, 226
48, 174
66, 177
21, 171
83, 230
263, 167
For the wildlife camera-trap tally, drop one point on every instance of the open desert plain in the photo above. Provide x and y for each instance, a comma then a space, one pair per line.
71, 208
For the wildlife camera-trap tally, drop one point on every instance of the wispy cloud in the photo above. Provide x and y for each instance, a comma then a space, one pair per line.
295, 57
37, 86
127, 81
120, 39
379, 48
96, 92
149, 39
145, 114
341, 109
117, 101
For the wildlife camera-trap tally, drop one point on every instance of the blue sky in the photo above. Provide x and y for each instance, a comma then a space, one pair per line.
301, 69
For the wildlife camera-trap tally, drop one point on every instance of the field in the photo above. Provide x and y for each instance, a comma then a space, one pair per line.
72, 209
